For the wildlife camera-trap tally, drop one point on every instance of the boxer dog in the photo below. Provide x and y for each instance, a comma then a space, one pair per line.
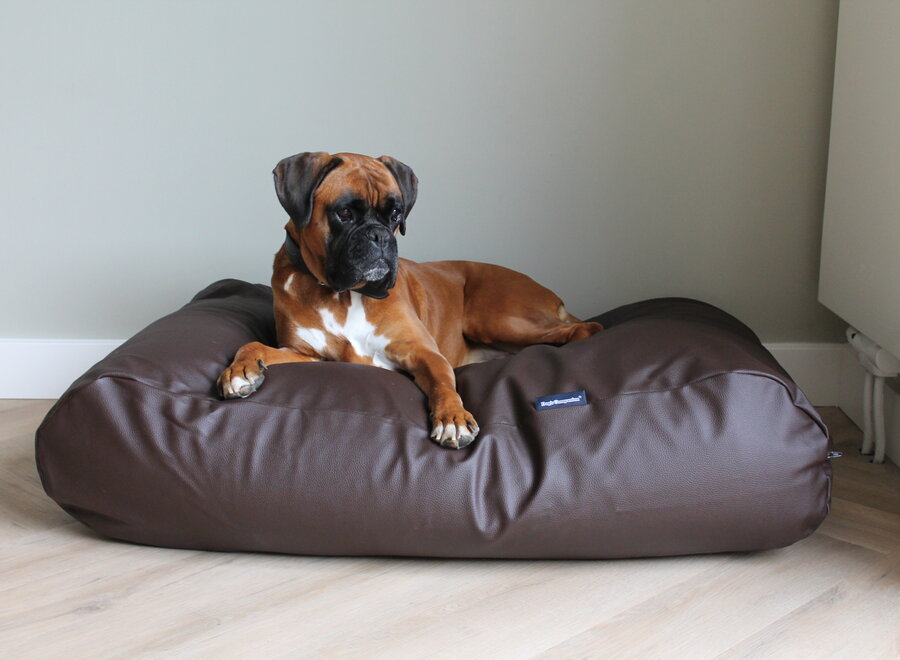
341, 293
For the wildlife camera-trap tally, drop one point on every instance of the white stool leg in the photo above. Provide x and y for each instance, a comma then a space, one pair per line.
878, 419
868, 437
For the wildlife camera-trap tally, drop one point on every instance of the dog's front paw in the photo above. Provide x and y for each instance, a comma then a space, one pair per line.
241, 379
453, 429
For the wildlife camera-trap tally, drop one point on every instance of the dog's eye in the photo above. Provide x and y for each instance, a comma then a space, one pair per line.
395, 215
345, 215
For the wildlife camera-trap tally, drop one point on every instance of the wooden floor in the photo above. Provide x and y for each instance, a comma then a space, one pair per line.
65, 593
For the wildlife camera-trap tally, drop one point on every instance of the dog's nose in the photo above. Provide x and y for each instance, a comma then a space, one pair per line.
376, 235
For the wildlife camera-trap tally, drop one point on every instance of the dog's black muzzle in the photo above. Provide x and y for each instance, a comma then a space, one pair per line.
368, 252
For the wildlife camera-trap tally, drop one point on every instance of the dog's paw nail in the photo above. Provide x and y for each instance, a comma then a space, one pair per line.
465, 439
240, 388
445, 435
228, 393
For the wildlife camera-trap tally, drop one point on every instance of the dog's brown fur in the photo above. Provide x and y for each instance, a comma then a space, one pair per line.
436, 317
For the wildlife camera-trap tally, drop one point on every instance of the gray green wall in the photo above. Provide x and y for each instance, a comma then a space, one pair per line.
614, 151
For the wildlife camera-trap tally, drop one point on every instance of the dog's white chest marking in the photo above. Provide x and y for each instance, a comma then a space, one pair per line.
356, 330
314, 337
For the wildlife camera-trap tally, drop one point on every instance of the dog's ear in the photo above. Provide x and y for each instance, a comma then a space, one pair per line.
296, 180
409, 185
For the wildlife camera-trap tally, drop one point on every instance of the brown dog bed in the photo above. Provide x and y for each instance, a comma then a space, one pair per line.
690, 439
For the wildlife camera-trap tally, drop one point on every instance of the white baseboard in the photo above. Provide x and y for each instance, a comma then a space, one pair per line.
44, 368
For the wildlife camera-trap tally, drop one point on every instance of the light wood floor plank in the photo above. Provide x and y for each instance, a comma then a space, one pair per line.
717, 610
64, 592
829, 626
516, 606
863, 525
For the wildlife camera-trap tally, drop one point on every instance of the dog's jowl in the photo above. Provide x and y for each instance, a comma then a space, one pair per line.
342, 293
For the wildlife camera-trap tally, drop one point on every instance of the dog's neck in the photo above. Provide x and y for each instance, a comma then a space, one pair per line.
292, 250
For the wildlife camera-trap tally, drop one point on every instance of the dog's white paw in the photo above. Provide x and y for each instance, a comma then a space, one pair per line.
240, 380
454, 430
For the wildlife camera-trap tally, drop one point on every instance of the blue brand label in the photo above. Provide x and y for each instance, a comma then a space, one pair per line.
578, 398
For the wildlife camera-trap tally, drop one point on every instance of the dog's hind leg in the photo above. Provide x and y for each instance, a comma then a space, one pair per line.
528, 327
522, 312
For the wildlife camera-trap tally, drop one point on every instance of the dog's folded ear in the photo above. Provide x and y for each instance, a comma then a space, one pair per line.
409, 185
296, 180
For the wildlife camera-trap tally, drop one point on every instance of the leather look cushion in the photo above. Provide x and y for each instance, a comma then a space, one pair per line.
694, 440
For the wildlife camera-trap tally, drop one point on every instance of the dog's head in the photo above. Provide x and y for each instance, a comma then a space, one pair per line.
345, 211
